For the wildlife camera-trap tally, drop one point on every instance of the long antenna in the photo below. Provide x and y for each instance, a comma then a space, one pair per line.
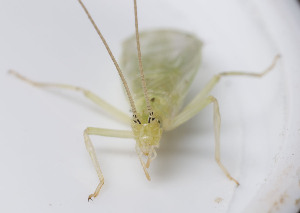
140, 58
112, 58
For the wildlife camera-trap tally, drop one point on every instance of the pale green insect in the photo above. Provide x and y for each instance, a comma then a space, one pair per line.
158, 87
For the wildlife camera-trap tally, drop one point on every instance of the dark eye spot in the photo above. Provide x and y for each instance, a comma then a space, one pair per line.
152, 99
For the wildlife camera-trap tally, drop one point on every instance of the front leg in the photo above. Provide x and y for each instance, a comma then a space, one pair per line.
90, 148
217, 125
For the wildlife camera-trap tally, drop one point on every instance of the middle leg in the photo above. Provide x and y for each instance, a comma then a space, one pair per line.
196, 104
121, 116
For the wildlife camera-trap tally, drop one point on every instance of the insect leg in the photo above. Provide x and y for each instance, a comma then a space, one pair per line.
90, 148
199, 102
217, 124
90, 95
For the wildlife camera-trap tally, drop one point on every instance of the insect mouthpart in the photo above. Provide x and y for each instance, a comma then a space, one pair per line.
147, 133
151, 155
146, 157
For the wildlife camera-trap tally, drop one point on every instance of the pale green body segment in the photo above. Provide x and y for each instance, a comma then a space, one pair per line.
170, 59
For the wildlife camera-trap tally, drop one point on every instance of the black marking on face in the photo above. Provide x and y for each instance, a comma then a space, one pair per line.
152, 99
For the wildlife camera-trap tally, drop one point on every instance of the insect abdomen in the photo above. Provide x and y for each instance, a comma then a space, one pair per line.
170, 59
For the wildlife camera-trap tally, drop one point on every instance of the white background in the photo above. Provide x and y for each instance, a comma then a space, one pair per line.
43, 161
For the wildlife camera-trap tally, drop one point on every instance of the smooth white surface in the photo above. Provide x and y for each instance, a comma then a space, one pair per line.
43, 161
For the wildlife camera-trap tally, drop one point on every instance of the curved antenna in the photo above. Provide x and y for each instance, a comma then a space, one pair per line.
140, 58
112, 58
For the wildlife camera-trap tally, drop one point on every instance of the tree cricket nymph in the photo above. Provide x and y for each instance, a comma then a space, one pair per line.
171, 59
